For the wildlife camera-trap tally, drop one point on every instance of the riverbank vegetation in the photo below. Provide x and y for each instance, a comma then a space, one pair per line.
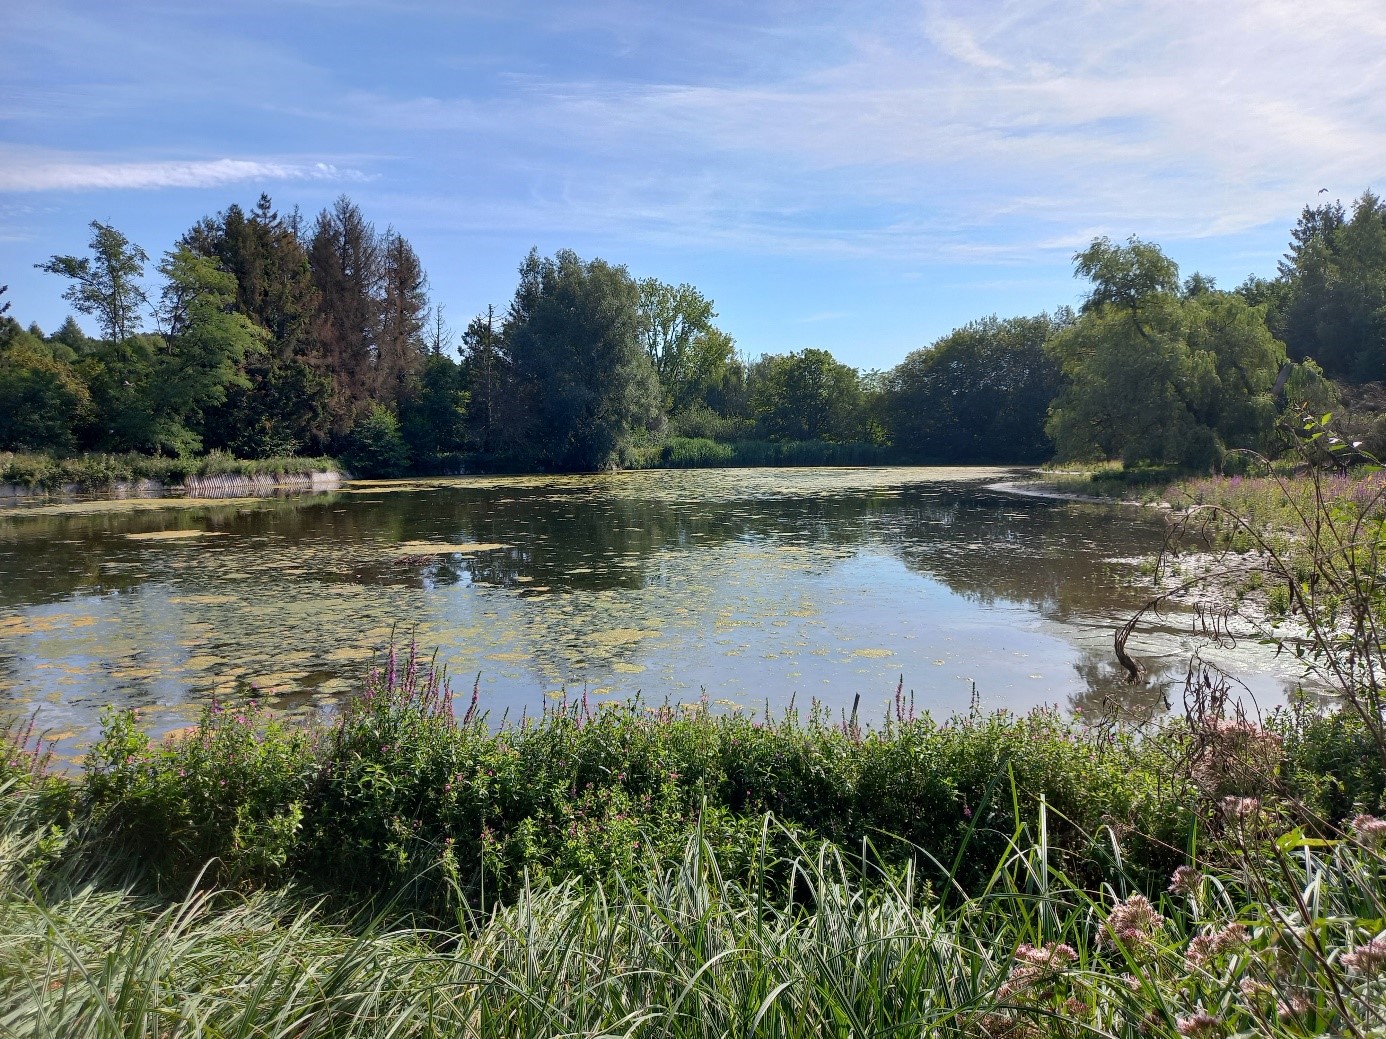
272, 335
411, 870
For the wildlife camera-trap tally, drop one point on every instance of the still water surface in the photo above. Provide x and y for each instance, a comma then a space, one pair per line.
753, 585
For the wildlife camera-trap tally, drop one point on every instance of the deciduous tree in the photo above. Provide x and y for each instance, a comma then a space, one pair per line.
690, 355
106, 284
1154, 375
580, 379
981, 393
808, 395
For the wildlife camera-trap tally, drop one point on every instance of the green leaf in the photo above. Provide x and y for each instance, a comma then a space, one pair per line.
1297, 838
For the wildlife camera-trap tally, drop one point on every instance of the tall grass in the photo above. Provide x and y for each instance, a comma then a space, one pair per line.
688, 948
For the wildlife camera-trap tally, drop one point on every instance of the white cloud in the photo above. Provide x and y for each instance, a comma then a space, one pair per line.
48, 175
999, 127
950, 129
955, 40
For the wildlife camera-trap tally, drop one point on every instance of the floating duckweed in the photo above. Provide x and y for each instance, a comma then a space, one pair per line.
621, 636
442, 548
174, 535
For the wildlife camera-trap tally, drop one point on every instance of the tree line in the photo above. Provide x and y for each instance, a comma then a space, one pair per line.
271, 335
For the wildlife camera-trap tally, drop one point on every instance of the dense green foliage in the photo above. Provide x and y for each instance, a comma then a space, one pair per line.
399, 791
1156, 374
1329, 302
579, 382
1261, 934
401, 795
980, 394
276, 336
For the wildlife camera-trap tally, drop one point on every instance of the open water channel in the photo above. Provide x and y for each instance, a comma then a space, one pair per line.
753, 586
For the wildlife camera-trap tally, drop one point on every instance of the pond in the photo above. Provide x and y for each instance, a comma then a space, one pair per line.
750, 587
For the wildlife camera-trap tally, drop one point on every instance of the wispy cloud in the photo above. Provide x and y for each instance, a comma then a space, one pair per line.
942, 132
33, 176
1019, 129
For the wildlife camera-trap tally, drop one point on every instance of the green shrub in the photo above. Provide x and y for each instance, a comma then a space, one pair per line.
232, 790
375, 447
400, 792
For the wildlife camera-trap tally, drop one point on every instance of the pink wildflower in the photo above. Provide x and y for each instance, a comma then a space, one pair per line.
1186, 881
1369, 830
1052, 956
1133, 921
1251, 988
1295, 1006
1367, 958
1199, 1024
1214, 943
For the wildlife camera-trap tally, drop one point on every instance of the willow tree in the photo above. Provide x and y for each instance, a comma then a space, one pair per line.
1156, 374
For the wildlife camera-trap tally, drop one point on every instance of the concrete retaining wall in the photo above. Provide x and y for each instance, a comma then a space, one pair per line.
229, 486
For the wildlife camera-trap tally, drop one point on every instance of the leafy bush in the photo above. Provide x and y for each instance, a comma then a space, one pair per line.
232, 790
700, 422
401, 792
375, 447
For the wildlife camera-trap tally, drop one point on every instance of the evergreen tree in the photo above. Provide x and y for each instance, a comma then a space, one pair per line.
487, 376
345, 255
404, 316
281, 407
433, 418
1336, 276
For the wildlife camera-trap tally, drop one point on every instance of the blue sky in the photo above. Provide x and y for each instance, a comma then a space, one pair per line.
856, 176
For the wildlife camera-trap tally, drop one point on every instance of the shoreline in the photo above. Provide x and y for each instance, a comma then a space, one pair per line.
225, 486
1038, 489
